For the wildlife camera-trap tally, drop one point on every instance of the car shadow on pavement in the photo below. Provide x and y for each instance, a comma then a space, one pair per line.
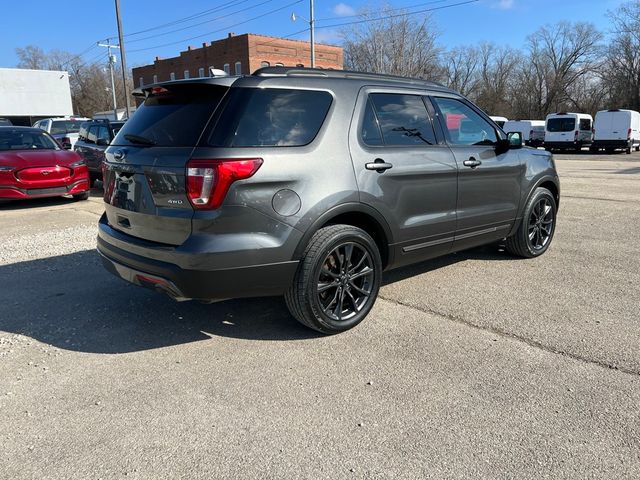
34, 203
73, 303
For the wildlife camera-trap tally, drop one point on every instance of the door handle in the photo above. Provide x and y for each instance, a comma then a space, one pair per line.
378, 165
472, 162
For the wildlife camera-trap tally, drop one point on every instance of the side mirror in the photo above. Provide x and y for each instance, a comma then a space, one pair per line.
102, 142
66, 146
515, 140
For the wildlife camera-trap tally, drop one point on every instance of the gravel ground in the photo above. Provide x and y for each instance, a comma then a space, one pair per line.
475, 365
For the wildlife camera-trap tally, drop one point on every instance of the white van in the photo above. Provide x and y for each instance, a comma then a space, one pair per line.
532, 131
616, 129
500, 121
568, 131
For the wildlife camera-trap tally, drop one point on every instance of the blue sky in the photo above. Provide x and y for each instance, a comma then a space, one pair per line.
75, 25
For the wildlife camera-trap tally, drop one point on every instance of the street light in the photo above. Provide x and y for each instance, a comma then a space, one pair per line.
311, 23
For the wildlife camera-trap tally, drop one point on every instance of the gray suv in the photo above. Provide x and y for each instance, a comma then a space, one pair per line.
309, 184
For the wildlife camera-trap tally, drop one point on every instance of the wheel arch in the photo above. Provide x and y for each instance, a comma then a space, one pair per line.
358, 215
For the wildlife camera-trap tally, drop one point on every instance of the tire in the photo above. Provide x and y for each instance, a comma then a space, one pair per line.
81, 196
521, 244
322, 264
92, 180
629, 148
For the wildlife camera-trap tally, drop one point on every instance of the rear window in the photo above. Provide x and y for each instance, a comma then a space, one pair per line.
173, 116
561, 124
585, 124
255, 117
65, 126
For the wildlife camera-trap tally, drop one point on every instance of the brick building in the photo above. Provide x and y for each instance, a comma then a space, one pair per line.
237, 54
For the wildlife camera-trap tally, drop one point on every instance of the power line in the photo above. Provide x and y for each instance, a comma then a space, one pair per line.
386, 17
201, 23
357, 15
219, 30
190, 17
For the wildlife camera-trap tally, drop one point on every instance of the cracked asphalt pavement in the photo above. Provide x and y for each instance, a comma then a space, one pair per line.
474, 365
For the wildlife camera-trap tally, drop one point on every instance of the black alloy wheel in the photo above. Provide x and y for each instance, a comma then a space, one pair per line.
337, 281
541, 224
535, 233
345, 281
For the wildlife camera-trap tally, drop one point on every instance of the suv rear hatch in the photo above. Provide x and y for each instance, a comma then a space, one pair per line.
145, 166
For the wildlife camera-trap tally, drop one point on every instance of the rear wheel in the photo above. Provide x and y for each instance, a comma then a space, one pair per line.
538, 225
337, 281
81, 196
629, 147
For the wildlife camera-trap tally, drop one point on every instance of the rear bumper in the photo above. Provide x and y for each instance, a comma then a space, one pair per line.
535, 142
191, 283
610, 144
567, 145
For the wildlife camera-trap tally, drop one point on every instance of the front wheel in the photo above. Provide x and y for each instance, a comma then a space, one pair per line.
337, 281
538, 225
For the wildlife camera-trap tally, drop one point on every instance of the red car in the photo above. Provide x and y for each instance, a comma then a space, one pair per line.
32, 164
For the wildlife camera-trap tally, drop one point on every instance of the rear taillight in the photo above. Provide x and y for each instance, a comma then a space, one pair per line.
575, 135
208, 181
629, 135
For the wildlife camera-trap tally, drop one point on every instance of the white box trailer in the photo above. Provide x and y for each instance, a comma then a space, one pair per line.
616, 129
532, 131
29, 95
568, 131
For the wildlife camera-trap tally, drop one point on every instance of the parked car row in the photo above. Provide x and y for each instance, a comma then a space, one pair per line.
615, 129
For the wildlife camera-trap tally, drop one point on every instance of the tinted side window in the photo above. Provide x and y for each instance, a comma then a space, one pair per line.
585, 124
92, 136
463, 125
370, 133
103, 133
254, 117
403, 119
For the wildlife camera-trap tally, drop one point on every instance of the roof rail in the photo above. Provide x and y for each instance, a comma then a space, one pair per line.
348, 74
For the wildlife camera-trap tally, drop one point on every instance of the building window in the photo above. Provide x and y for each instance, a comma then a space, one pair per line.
155, 79
265, 64
186, 74
141, 80
226, 68
201, 72
172, 76
238, 68
279, 64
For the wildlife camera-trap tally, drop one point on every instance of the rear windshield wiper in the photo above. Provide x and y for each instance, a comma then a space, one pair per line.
139, 140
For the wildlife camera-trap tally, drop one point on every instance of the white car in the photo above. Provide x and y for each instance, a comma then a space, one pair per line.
63, 129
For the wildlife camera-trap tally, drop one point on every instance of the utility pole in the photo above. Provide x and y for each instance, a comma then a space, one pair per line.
123, 58
112, 61
312, 28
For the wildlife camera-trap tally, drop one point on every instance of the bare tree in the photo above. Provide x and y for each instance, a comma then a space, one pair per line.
560, 55
621, 68
393, 44
89, 82
460, 69
495, 74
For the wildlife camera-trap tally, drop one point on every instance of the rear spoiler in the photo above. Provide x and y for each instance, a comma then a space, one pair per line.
145, 90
